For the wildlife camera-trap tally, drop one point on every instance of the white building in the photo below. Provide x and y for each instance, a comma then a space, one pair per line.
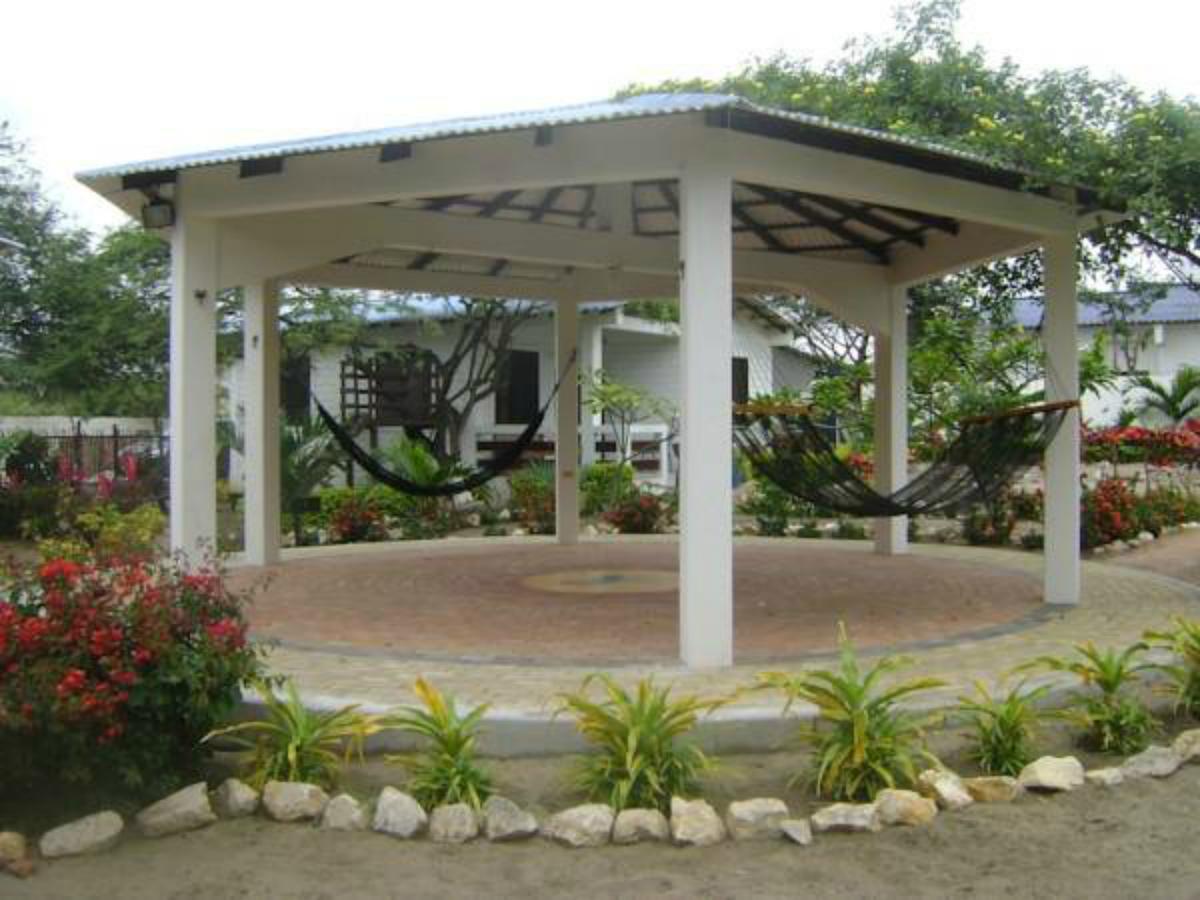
633, 350
1157, 340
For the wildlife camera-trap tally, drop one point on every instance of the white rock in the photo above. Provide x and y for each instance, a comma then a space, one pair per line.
588, 825
183, 810
798, 831
398, 814
503, 820
1052, 773
91, 834
1153, 762
945, 787
898, 807
695, 823
234, 799
757, 818
1109, 777
993, 788
1144, 537
293, 801
636, 825
454, 823
12, 847
344, 813
1187, 745
849, 817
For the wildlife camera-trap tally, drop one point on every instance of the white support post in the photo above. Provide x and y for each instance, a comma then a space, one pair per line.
261, 359
1059, 333
566, 431
591, 360
706, 492
891, 420
193, 388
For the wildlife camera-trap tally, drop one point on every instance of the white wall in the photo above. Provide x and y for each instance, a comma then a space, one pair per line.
94, 425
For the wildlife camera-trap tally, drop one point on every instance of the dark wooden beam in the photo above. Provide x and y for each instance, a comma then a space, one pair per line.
423, 261
797, 207
438, 204
760, 231
501, 200
394, 152
267, 165
941, 223
589, 205
142, 180
864, 215
547, 204
497, 267
543, 136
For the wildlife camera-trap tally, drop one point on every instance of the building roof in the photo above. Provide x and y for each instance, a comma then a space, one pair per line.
1178, 304
724, 109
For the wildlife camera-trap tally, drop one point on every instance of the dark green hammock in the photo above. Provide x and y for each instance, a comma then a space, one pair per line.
499, 463
787, 447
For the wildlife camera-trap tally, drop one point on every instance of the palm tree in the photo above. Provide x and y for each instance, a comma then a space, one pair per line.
1176, 402
307, 455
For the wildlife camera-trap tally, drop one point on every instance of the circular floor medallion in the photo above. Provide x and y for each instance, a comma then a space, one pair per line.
604, 581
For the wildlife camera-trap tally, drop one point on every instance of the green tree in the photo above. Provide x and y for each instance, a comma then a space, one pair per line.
1176, 402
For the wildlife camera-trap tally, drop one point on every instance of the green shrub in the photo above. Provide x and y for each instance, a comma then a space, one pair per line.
849, 530
1114, 720
1107, 513
642, 756
446, 771
1028, 506
990, 524
294, 743
914, 530
603, 485
773, 508
809, 529
495, 530
532, 502
641, 512
29, 511
1159, 508
870, 743
356, 519
104, 533
27, 459
1004, 727
1184, 672
1033, 540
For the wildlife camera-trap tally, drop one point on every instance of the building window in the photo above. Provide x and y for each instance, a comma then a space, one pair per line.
295, 387
402, 389
517, 388
741, 379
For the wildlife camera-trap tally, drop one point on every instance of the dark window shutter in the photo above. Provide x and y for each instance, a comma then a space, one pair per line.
741, 379
517, 393
296, 386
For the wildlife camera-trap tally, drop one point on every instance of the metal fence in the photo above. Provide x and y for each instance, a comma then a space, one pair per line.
82, 456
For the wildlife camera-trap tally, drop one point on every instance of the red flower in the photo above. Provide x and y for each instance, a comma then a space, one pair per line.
60, 571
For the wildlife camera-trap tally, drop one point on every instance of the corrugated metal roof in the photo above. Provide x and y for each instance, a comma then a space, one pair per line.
1179, 304
641, 106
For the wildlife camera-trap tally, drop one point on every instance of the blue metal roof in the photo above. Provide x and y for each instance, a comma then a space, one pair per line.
636, 107
1178, 304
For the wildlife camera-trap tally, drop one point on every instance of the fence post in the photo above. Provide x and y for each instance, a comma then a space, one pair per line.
116, 451
78, 446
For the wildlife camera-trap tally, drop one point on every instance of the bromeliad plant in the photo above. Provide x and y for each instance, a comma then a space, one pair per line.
1184, 642
1004, 727
643, 756
294, 743
1115, 721
870, 743
446, 771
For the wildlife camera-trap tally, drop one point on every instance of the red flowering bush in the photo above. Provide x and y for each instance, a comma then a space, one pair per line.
1133, 443
116, 670
356, 517
638, 513
1107, 513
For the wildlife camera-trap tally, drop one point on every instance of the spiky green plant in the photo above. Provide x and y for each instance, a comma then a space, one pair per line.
1184, 672
642, 756
869, 743
295, 744
1004, 727
445, 771
1114, 721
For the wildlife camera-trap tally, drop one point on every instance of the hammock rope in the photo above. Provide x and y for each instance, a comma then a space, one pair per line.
485, 472
786, 446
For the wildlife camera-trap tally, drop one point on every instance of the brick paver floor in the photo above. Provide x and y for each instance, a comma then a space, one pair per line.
974, 614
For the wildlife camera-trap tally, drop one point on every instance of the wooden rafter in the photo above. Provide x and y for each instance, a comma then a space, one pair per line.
497, 203
864, 215
941, 223
798, 207
422, 262
546, 205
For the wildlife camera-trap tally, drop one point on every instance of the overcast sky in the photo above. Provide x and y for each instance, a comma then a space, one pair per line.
90, 84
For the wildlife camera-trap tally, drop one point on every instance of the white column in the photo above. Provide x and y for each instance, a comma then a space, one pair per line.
706, 493
261, 437
891, 420
193, 388
1059, 333
566, 430
591, 360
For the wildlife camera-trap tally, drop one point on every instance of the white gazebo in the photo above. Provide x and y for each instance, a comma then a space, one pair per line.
704, 196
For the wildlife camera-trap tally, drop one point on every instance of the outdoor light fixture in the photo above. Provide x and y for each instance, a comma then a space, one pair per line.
158, 213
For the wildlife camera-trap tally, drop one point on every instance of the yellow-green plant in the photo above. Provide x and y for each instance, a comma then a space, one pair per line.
869, 743
642, 755
446, 771
1114, 720
295, 744
1184, 642
103, 532
1004, 727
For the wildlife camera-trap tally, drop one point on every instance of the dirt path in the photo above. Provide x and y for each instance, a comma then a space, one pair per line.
1176, 555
